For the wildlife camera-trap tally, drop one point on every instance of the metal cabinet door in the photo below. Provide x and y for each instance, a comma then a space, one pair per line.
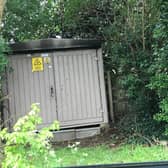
78, 88
27, 87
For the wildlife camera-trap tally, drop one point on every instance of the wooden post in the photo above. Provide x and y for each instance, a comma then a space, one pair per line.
110, 95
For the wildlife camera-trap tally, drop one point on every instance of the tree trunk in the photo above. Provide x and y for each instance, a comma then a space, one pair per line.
143, 25
2, 4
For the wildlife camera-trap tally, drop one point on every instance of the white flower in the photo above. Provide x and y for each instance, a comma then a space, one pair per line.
77, 143
32, 112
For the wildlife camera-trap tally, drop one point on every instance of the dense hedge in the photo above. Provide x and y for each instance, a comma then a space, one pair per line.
159, 67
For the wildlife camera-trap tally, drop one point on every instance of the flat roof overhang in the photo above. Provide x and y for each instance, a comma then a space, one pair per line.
51, 44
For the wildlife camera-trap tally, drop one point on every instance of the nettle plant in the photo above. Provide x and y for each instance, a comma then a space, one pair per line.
25, 146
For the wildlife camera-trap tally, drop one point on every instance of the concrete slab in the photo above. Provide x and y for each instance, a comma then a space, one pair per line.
78, 133
87, 132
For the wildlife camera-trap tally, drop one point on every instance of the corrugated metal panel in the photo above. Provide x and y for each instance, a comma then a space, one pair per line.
77, 79
27, 87
77, 87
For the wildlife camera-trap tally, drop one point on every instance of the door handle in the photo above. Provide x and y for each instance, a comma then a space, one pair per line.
52, 91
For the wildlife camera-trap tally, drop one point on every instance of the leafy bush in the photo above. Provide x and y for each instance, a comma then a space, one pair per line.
26, 148
3, 63
159, 68
3, 59
33, 19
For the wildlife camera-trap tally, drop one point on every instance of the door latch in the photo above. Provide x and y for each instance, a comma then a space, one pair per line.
52, 91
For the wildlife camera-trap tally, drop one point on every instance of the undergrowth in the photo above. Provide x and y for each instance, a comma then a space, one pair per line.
25, 146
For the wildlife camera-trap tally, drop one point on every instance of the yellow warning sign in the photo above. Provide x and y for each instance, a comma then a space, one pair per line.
37, 64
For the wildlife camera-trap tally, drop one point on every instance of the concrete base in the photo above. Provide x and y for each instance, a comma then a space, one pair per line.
78, 133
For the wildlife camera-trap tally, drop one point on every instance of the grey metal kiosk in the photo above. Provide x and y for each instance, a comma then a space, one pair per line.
65, 76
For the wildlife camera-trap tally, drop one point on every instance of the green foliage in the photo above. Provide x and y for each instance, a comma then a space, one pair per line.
26, 148
3, 63
31, 19
3, 59
159, 67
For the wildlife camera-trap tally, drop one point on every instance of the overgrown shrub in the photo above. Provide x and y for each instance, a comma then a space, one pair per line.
3, 63
24, 147
159, 67
27, 20
3, 59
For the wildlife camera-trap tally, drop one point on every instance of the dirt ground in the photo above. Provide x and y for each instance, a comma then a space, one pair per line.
111, 137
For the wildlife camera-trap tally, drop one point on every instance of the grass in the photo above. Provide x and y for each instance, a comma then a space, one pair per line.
105, 155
